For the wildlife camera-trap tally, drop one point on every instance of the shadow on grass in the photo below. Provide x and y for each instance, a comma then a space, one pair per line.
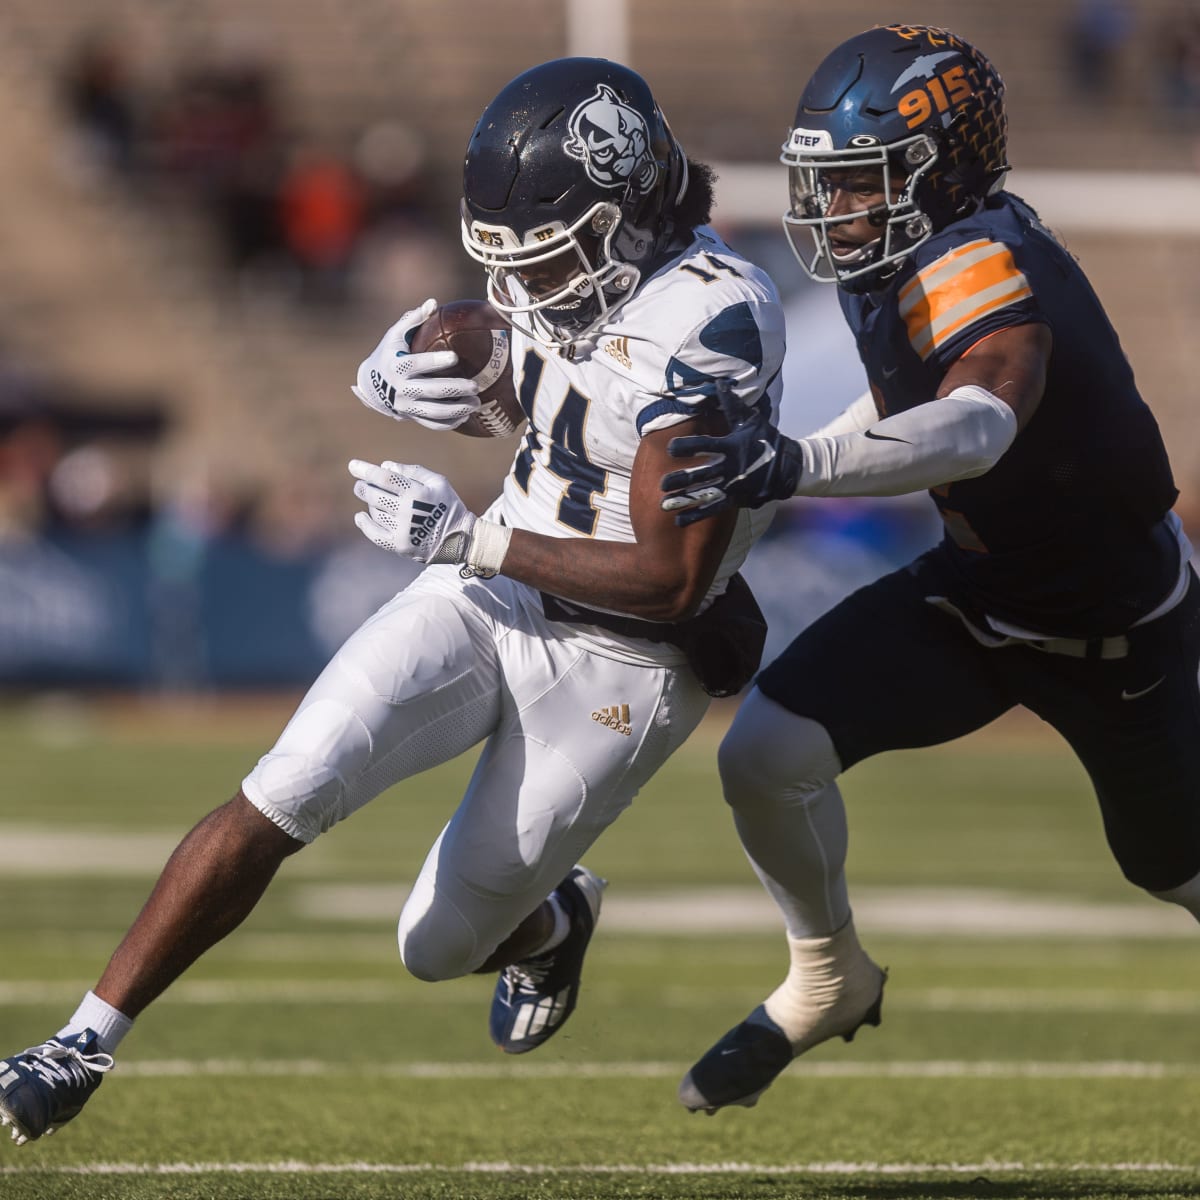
568, 1186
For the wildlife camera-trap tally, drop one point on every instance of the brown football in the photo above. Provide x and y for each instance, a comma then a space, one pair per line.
479, 335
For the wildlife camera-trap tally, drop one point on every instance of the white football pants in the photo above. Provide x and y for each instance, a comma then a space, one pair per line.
575, 721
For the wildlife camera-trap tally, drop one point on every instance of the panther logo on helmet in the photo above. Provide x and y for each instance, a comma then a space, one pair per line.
612, 141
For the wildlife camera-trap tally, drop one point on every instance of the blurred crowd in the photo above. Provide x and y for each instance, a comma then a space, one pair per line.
289, 211
1100, 40
84, 467
94, 469
331, 226
339, 226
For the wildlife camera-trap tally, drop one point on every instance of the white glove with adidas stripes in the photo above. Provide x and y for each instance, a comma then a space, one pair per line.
415, 513
393, 381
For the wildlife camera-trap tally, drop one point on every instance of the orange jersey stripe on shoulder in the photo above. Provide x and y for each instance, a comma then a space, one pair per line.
959, 288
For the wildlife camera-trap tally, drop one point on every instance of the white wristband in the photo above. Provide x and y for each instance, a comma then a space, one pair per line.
956, 437
489, 545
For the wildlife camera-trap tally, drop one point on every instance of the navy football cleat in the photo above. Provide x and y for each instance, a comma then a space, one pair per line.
534, 997
749, 1058
45, 1086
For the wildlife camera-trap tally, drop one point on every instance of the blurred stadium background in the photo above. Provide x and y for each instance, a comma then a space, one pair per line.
213, 208
209, 212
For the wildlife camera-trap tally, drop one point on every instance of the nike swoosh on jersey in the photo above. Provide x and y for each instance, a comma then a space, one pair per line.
1125, 695
883, 437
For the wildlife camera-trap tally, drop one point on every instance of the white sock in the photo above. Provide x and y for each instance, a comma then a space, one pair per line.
109, 1024
830, 985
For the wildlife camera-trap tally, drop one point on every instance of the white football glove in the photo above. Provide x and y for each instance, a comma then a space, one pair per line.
412, 511
394, 382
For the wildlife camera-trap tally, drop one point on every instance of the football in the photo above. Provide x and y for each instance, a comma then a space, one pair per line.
479, 335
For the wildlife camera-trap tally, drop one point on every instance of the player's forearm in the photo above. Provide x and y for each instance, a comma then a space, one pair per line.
956, 437
622, 576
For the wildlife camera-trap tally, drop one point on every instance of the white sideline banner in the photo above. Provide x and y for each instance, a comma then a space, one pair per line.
1130, 203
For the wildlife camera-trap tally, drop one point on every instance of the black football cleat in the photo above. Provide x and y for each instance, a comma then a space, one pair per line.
751, 1056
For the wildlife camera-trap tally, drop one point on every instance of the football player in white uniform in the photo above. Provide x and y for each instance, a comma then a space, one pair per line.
573, 628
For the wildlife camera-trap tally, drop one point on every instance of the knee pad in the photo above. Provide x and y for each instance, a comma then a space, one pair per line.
770, 753
436, 942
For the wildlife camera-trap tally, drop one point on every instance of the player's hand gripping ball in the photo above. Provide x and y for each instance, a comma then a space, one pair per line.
425, 388
479, 336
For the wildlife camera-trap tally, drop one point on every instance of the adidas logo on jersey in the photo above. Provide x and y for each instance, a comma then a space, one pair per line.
618, 348
424, 521
615, 718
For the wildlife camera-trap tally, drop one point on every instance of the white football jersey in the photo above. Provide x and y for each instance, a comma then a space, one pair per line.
706, 314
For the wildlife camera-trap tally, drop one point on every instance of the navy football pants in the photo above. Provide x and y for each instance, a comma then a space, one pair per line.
886, 670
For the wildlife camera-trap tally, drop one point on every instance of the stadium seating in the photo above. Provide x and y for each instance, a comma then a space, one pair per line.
115, 290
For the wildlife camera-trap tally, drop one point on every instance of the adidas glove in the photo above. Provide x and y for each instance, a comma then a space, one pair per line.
415, 513
396, 383
750, 466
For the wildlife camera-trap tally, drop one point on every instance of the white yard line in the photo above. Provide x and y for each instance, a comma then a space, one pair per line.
681, 1168
949, 1069
962, 912
697, 911
32, 851
403, 992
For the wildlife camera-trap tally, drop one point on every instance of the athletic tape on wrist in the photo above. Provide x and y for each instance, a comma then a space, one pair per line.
489, 545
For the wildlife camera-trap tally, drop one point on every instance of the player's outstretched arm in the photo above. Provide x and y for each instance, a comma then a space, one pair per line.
985, 398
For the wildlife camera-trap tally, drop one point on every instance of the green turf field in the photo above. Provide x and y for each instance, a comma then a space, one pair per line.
1040, 1025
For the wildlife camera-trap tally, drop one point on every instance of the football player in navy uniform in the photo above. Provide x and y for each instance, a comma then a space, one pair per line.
1062, 582
574, 629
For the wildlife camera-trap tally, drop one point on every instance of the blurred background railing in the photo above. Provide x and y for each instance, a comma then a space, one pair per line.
211, 209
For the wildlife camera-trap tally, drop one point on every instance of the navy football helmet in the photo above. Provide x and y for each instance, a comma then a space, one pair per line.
921, 105
570, 185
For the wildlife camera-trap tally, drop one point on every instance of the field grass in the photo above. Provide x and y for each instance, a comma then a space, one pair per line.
1054, 1057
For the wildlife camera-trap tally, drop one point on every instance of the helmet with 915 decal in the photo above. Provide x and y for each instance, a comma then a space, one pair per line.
917, 109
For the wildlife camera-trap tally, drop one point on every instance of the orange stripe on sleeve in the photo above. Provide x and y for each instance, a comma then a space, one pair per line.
957, 290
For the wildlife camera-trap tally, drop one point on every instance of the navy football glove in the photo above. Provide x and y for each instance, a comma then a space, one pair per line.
751, 465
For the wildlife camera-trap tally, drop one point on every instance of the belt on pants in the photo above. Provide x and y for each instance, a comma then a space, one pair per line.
1105, 647
1115, 646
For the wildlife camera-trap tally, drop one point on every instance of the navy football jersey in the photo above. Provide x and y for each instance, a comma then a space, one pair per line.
1065, 535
